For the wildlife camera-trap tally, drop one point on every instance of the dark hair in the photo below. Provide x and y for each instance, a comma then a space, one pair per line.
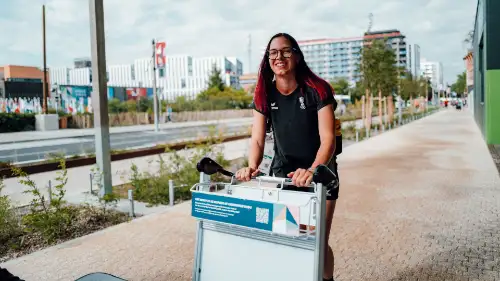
303, 75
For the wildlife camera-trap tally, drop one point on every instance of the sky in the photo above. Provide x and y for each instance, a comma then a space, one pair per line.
222, 27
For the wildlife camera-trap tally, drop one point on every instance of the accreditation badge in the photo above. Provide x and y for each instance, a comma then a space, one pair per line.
267, 159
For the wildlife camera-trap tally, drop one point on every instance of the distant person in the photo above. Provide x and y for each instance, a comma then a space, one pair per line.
169, 113
343, 109
299, 107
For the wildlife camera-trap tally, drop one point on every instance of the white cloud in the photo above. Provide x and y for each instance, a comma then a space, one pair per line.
221, 27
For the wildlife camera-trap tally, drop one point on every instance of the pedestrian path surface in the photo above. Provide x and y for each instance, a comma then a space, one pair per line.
420, 202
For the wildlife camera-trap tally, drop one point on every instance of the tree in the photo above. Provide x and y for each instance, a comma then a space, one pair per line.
340, 86
469, 38
215, 80
379, 71
460, 85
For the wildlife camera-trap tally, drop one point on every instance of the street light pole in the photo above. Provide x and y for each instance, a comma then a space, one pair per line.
99, 95
45, 90
155, 94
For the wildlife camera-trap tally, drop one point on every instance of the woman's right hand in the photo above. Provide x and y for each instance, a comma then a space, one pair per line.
246, 174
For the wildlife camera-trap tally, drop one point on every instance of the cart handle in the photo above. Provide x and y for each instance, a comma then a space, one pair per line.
322, 174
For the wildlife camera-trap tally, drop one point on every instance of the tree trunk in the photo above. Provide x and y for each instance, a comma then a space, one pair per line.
381, 121
390, 109
386, 116
368, 110
363, 109
411, 105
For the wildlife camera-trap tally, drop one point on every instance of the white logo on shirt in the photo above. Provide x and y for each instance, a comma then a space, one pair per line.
273, 105
302, 105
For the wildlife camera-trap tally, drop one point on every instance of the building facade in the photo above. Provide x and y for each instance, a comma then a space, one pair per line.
433, 71
182, 75
333, 58
415, 61
486, 43
21, 82
339, 58
248, 81
469, 71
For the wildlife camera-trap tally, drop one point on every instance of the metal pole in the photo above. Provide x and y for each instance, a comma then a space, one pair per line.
319, 261
49, 190
155, 94
400, 113
357, 136
171, 192
131, 212
91, 183
99, 95
44, 105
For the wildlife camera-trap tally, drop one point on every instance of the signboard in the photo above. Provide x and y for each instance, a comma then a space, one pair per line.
160, 54
275, 217
24, 80
76, 91
136, 93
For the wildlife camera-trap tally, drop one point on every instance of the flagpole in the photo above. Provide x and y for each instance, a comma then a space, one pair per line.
45, 106
155, 95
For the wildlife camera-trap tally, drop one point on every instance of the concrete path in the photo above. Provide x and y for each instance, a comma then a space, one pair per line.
420, 202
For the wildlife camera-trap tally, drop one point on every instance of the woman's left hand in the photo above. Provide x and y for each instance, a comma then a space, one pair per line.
301, 177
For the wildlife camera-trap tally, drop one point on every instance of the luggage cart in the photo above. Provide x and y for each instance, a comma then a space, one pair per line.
258, 230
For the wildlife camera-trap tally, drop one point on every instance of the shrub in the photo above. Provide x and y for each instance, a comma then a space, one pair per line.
9, 225
154, 188
51, 218
13, 122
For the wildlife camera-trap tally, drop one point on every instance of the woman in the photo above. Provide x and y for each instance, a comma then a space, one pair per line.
300, 107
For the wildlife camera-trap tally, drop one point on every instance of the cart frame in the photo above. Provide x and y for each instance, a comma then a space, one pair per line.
312, 240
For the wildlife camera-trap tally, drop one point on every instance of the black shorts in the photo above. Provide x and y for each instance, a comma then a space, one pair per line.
332, 193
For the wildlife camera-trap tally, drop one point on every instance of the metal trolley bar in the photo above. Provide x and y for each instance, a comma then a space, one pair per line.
306, 248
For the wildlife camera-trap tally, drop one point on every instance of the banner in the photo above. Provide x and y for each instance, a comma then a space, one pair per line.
275, 217
136, 93
160, 54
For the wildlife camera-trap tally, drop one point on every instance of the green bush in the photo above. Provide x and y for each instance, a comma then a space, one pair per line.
9, 225
153, 188
13, 122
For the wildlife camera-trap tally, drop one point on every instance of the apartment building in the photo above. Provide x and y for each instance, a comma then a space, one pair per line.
434, 71
340, 57
183, 75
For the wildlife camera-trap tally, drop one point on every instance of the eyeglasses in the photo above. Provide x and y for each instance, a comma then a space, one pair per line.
286, 53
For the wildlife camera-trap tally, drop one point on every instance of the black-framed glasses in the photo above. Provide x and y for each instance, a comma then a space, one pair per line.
285, 52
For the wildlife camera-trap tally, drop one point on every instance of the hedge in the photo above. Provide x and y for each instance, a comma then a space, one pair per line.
13, 122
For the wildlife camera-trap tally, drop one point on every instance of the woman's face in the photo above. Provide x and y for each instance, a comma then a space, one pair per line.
281, 56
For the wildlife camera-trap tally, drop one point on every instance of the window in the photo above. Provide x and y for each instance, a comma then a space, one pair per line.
190, 66
183, 83
161, 72
132, 72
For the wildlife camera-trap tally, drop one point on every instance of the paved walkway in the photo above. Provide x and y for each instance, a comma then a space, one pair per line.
420, 202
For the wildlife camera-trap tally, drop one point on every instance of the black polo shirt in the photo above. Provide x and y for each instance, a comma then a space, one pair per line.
294, 119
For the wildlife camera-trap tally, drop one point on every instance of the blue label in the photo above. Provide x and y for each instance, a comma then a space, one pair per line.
248, 213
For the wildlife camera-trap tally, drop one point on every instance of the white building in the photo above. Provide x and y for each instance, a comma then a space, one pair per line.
183, 75
433, 71
414, 60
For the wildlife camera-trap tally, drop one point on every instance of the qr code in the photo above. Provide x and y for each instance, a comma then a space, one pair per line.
262, 215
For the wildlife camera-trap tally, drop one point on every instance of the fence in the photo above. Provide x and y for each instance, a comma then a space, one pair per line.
142, 118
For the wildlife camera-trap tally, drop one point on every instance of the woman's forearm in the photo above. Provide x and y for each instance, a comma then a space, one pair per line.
255, 154
325, 153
